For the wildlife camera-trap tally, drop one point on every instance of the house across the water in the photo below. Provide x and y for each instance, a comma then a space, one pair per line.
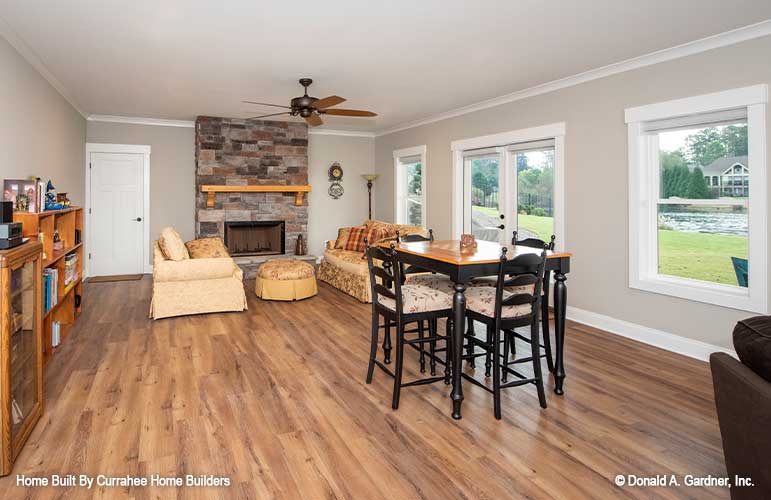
728, 176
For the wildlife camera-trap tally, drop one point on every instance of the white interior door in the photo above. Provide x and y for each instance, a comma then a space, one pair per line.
117, 208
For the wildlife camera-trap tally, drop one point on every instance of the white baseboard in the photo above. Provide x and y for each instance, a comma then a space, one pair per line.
664, 340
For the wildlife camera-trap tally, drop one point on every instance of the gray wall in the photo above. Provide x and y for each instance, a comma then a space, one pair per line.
40, 132
172, 169
596, 167
172, 177
356, 156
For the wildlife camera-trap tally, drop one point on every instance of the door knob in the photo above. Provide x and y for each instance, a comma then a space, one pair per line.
138, 219
501, 227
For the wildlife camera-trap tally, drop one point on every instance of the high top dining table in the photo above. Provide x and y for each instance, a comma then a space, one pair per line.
445, 257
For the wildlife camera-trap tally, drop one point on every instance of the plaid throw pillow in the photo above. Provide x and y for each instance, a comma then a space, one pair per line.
356, 237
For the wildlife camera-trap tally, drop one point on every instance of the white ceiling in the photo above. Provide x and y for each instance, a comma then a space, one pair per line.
405, 60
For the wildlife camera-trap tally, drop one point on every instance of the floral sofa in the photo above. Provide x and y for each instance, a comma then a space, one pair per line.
347, 270
194, 277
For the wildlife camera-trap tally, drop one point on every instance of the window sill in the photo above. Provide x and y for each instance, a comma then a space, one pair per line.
700, 291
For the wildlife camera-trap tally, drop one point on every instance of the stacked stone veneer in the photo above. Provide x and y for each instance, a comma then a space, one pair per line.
236, 152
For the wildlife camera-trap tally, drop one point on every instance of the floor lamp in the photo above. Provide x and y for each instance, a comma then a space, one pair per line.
369, 178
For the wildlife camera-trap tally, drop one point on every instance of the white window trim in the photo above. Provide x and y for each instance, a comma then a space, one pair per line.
643, 198
554, 131
145, 151
399, 195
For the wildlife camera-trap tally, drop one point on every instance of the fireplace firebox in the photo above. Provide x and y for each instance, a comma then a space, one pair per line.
255, 237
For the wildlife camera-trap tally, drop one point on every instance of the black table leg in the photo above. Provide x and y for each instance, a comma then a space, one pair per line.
560, 302
459, 309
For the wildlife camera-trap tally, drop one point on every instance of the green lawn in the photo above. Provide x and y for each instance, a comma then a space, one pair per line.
542, 226
705, 257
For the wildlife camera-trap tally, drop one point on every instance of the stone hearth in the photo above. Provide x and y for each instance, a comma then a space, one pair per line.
236, 152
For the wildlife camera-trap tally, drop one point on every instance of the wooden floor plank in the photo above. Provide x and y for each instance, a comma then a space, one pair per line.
274, 398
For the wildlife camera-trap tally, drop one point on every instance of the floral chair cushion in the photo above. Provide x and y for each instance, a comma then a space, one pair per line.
388, 230
285, 269
207, 248
436, 281
419, 298
481, 299
342, 237
492, 282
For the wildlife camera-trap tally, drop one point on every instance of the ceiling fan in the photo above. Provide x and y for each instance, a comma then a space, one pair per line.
311, 108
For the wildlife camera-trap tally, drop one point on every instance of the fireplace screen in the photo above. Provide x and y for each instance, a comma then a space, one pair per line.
255, 237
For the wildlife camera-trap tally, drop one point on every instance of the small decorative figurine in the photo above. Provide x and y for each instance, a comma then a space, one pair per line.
467, 242
51, 203
58, 243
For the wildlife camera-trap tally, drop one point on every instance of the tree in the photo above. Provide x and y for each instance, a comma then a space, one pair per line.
704, 147
522, 163
674, 174
734, 138
415, 176
697, 186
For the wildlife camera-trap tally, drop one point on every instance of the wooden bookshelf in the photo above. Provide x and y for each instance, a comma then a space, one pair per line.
42, 226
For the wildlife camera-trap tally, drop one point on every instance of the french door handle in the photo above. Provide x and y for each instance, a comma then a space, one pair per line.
138, 219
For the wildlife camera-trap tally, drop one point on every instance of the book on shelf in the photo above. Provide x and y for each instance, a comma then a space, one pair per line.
56, 333
50, 288
70, 268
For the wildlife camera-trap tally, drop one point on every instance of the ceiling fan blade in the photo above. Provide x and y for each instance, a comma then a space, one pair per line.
266, 104
348, 112
328, 102
265, 116
314, 120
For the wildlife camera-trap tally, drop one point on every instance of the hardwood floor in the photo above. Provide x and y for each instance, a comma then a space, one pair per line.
274, 398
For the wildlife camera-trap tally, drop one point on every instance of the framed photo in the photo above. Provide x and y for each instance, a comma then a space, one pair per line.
23, 193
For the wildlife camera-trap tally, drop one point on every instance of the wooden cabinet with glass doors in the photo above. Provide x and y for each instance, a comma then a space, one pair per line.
21, 362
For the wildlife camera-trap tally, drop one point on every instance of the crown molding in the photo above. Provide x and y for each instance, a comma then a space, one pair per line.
139, 120
724, 39
345, 133
34, 60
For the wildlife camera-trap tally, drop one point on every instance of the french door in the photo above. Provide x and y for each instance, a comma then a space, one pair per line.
509, 188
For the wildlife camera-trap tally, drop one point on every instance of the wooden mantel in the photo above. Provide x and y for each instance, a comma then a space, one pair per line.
298, 190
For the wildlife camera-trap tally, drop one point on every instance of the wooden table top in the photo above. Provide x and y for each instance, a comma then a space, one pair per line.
486, 252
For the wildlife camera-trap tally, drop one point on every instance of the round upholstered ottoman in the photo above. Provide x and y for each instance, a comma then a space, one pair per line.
285, 279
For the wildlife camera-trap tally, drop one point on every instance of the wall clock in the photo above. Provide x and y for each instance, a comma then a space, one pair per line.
335, 176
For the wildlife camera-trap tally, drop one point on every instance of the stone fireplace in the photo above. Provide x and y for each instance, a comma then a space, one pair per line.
237, 152
255, 237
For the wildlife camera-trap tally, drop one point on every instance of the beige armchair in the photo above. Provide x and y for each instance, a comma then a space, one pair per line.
195, 286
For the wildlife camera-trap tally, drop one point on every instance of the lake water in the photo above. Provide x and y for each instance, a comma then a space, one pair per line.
711, 223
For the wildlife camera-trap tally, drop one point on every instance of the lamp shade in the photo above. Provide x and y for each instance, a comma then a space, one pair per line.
370, 177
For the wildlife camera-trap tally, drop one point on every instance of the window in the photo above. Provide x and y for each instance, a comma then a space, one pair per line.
410, 167
690, 237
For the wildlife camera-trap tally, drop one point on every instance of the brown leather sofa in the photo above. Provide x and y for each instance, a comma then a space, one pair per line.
743, 400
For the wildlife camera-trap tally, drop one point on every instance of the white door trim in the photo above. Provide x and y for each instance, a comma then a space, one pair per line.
554, 131
120, 148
